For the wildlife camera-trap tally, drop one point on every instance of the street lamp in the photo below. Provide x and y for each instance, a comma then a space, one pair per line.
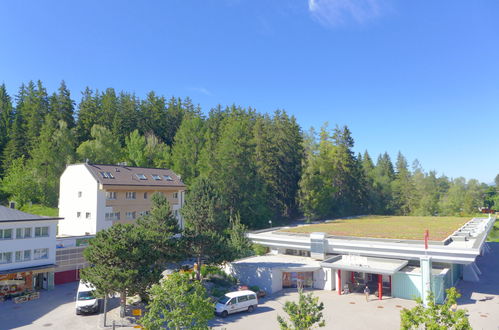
270, 223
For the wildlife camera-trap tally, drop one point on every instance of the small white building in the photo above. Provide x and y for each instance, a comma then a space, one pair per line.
93, 197
27, 251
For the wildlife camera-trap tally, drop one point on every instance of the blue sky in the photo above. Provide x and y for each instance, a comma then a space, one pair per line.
417, 76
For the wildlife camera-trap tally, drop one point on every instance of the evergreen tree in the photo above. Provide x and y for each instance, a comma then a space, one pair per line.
205, 221
6, 118
89, 114
62, 106
123, 259
402, 187
186, 151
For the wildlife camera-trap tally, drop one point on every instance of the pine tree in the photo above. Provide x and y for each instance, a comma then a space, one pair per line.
402, 187
62, 106
186, 151
89, 114
6, 118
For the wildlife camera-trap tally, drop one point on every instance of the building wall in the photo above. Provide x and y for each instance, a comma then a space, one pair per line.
76, 178
406, 286
15, 244
263, 277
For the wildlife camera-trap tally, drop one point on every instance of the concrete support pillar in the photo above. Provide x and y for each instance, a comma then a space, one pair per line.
50, 281
469, 273
426, 278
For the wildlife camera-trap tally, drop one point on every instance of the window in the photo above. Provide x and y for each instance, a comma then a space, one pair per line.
78, 214
175, 213
251, 297
156, 177
107, 175
5, 233
113, 216
23, 233
145, 195
41, 231
141, 176
130, 215
5, 258
130, 195
175, 195
87, 215
242, 298
167, 178
41, 254
142, 213
79, 194
110, 195
23, 255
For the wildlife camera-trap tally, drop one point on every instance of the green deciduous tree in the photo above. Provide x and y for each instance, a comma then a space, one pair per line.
436, 317
178, 303
303, 315
19, 182
103, 149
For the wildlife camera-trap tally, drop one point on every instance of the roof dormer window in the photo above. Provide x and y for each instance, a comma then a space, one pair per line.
141, 176
156, 177
167, 178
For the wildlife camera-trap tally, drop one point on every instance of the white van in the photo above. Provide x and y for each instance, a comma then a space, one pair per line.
236, 301
86, 302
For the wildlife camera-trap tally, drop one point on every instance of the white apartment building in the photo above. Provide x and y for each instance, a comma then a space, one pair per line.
27, 251
94, 197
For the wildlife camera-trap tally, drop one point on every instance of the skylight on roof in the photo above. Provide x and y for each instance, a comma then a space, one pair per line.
156, 177
167, 178
141, 176
107, 175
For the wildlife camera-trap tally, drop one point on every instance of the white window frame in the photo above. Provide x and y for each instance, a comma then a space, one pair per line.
156, 177
111, 195
112, 216
23, 232
131, 195
40, 254
41, 230
130, 215
5, 257
175, 195
2, 233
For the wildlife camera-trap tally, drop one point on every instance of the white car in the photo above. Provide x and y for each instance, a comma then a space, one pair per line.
236, 301
86, 302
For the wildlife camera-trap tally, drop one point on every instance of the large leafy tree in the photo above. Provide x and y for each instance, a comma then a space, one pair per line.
436, 317
205, 221
19, 182
303, 315
178, 303
103, 149
122, 259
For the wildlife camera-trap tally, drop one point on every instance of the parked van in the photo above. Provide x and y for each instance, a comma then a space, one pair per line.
86, 302
236, 301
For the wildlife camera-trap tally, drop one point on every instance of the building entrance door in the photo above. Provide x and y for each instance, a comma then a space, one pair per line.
297, 279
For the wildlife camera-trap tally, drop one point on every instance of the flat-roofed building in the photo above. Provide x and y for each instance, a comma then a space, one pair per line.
347, 259
94, 197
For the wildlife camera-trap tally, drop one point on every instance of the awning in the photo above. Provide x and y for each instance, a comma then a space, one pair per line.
300, 269
361, 264
35, 269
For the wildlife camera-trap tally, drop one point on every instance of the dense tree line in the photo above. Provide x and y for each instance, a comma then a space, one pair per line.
263, 165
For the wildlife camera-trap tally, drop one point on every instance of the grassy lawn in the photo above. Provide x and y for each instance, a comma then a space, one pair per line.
494, 233
396, 227
40, 210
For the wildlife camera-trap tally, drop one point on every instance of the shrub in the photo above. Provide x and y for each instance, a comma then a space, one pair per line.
260, 250
254, 288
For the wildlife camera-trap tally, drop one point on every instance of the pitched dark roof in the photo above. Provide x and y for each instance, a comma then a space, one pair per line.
8, 214
127, 175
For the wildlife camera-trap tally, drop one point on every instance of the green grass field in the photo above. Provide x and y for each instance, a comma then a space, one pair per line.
395, 227
494, 233
41, 210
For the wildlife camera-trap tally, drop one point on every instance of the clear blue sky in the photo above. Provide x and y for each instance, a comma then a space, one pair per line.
417, 76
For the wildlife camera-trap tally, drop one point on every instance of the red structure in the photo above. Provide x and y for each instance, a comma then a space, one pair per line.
380, 286
339, 281
66, 276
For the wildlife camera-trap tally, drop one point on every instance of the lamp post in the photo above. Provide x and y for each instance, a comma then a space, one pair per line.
270, 223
